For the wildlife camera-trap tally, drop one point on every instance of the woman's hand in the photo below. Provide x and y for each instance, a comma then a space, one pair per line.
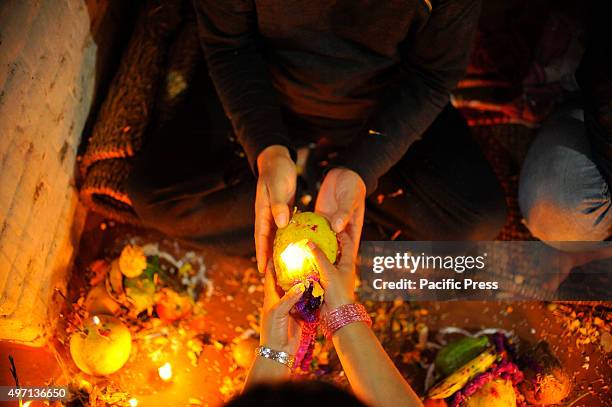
341, 199
371, 373
280, 331
337, 281
276, 186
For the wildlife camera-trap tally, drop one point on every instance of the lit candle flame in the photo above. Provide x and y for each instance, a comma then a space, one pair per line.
27, 403
96, 320
165, 371
298, 259
133, 402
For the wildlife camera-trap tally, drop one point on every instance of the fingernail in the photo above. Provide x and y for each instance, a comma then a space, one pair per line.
282, 220
338, 224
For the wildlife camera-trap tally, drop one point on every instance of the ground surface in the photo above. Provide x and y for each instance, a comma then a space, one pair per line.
232, 309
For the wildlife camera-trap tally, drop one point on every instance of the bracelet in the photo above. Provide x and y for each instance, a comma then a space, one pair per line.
278, 356
344, 315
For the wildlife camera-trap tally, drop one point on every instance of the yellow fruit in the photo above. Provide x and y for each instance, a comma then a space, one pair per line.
498, 393
102, 347
243, 352
132, 261
293, 260
454, 382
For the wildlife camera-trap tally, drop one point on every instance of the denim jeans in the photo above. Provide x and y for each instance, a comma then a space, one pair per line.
562, 194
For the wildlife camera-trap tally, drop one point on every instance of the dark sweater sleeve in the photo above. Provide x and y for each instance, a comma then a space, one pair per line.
432, 64
229, 36
595, 79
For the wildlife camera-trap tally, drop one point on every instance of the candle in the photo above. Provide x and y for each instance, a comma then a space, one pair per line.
165, 372
297, 259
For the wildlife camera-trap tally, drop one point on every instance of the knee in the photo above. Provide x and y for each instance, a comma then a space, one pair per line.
557, 208
562, 194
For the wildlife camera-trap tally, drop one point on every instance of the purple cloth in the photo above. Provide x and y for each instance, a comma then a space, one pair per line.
307, 310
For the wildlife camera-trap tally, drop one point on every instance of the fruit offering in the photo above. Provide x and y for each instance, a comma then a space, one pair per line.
293, 260
102, 347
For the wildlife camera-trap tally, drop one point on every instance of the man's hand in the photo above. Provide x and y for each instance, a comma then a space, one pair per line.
341, 199
275, 193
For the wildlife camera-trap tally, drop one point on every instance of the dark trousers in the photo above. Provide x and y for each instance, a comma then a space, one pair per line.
193, 183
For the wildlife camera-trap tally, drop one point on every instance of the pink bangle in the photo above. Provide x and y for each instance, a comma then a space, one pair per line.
344, 315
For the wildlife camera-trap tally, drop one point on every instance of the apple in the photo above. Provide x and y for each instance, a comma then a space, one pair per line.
102, 347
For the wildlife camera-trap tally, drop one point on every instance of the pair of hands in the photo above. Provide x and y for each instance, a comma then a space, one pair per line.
341, 199
279, 329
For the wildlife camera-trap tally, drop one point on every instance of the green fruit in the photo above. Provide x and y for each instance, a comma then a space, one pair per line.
498, 393
458, 353
293, 259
